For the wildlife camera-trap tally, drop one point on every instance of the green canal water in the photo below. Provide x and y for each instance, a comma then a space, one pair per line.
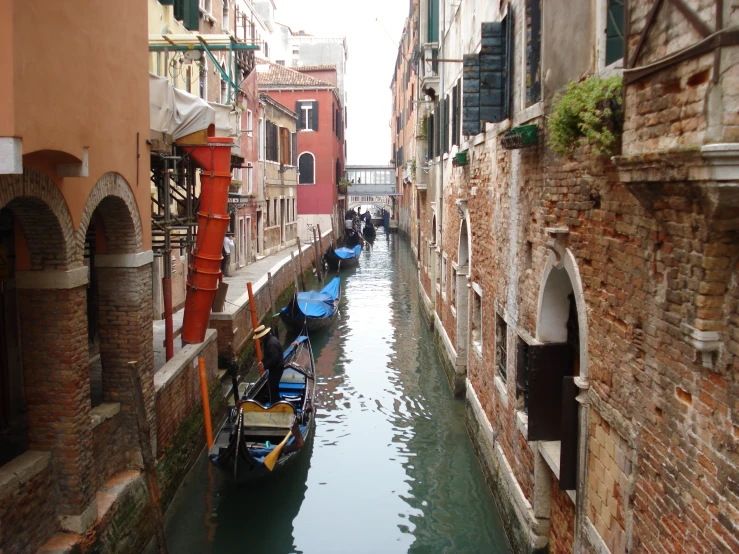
391, 468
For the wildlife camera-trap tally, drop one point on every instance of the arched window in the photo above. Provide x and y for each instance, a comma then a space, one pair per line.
306, 166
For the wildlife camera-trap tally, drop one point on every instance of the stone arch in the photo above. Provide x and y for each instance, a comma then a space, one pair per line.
433, 229
113, 199
47, 224
553, 309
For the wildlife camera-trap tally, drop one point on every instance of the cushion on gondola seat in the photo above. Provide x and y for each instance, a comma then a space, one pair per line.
292, 386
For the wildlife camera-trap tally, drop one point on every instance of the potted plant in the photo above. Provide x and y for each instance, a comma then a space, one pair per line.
589, 112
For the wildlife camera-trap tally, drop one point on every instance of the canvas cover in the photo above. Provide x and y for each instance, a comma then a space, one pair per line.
319, 304
348, 253
176, 112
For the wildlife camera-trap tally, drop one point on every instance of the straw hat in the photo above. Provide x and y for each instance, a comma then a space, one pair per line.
260, 331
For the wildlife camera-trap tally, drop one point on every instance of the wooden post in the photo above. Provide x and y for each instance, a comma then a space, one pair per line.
300, 261
320, 244
219, 301
333, 234
295, 271
206, 402
254, 322
271, 293
316, 255
148, 456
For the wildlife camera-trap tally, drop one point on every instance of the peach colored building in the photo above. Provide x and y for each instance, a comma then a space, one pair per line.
75, 244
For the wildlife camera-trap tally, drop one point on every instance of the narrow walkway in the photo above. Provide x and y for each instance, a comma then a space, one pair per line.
236, 288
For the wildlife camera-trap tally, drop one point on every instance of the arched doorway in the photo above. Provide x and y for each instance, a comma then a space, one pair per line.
118, 317
460, 298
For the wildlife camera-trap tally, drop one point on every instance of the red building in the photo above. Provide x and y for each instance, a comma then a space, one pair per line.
320, 138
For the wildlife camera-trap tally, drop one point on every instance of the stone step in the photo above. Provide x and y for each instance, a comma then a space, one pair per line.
61, 543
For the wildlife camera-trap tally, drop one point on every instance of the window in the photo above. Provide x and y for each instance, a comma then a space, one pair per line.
249, 123
456, 101
522, 375
249, 180
226, 22
443, 276
338, 171
533, 51
307, 111
501, 347
272, 147
477, 318
261, 142
274, 211
188, 80
615, 31
433, 21
280, 62
285, 157
306, 168
294, 149
236, 174
268, 220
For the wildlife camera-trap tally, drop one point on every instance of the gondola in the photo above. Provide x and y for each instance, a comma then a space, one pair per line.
313, 309
343, 257
259, 440
352, 238
369, 231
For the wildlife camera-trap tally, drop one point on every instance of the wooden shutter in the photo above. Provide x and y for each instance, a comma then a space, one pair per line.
510, 39
548, 365
299, 110
568, 451
315, 116
445, 137
492, 72
294, 148
191, 18
471, 95
533, 52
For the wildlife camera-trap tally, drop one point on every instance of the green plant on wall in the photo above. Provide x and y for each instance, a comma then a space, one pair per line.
423, 127
413, 167
591, 112
343, 183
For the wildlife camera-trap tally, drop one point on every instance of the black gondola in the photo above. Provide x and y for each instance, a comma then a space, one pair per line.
259, 439
343, 257
352, 238
313, 309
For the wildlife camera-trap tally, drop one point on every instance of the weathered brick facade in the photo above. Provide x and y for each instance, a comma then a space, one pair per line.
631, 261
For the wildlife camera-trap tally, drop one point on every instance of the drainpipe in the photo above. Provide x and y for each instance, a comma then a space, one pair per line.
213, 220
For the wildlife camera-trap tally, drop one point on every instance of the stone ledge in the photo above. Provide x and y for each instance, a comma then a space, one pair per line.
51, 280
21, 469
11, 156
172, 369
124, 260
104, 412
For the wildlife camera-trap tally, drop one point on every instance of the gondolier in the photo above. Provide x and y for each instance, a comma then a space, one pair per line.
272, 360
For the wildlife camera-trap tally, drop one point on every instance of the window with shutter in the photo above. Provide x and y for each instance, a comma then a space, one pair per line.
522, 375
548, 365
445, 138
284, 146
294, 149
301, 117
471, 95
306, 167
272, 142
433, 21
615, 31
430, 137
501, 347
493, 72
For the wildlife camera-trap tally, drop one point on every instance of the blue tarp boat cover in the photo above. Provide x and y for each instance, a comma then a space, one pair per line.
348, 253
319, 304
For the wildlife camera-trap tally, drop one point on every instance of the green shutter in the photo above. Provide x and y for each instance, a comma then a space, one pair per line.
299, 111
191, 18
433, 21
315, 116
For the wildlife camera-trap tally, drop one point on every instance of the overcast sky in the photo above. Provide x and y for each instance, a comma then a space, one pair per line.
370, 65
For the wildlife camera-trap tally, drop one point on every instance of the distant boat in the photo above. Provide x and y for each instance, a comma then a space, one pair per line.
257, 439
313, 309
343, 257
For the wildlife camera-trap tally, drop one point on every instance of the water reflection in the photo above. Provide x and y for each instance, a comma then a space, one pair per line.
391, 467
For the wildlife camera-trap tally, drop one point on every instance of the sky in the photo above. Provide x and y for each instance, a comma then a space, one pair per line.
373, 30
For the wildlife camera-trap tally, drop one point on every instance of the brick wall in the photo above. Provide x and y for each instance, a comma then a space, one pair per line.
110, 453
28, 514
57, 381
562, 527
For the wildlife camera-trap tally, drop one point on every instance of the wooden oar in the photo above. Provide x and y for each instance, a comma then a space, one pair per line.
271, 459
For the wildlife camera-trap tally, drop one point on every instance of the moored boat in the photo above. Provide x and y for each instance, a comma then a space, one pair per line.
343, 257
259, 439
313, 309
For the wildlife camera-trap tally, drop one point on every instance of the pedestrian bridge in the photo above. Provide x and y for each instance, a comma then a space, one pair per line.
372, 185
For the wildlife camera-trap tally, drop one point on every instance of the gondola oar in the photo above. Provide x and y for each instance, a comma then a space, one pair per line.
271, 459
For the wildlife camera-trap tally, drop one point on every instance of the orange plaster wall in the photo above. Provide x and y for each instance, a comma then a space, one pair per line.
80, 79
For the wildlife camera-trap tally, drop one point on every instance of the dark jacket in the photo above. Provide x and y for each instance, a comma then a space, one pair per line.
272, 355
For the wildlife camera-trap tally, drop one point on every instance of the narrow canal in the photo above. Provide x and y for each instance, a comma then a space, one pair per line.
391, 468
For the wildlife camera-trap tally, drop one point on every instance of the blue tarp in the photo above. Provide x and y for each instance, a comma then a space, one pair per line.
319, 304
348, 253
300, 339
